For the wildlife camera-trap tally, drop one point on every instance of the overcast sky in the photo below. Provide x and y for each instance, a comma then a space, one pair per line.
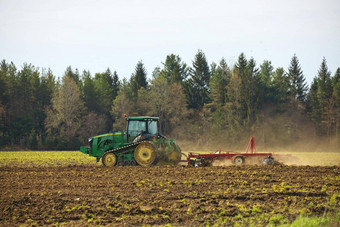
95, 35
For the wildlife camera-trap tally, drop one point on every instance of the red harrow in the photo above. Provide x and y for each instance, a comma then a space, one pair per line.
251, 156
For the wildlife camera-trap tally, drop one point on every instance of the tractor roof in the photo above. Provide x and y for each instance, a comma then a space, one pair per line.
142, 118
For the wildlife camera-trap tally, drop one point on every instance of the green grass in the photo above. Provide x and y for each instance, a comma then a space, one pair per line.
328, 220
62, 158
45, 158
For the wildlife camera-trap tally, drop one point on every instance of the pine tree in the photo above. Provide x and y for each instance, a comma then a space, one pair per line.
249, 93
313, 107
252, 85
115, 84
266, 83
198, 85
325, 99
103, 83
218, 84
266, 73
280, 86
336, 95
3, 79
298, 86
320, 101
46, 90
174, 70
74, 75
324, 92
89, 93
233, 108
138, 80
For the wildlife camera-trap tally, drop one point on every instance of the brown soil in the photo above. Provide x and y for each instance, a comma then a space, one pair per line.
79, 195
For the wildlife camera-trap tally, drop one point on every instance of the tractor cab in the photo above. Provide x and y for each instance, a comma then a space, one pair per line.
141, 128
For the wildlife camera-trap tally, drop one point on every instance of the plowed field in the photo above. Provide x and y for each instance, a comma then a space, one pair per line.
95, 195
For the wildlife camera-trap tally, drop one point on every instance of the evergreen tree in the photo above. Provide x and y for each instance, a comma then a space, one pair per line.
198, 85
214, 112
38, 112
46, 89
266, 83
115, 84
103, 83
24, 92
324, 96
89, 93
48, 85
249, 94
3, 79
280, 86
74, 75
324, 92
320, 101
336, 96
218, 84
298, 86
240, 74
251, 97
174, 70
266, 73
3, 101
138, 79
313, 107
233, 108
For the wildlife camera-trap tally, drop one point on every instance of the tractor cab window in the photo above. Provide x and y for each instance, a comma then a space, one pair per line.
152, 127
135, 128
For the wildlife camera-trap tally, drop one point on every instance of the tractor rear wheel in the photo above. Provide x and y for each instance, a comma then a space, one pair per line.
239, 160
145, 154
109, 159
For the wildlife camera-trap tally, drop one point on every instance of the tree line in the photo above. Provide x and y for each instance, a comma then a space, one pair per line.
198, 104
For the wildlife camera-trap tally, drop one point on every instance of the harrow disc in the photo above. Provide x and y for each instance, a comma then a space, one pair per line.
175, 154
145, 154
109, 159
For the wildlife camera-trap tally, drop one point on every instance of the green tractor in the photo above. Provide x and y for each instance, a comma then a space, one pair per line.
141, 144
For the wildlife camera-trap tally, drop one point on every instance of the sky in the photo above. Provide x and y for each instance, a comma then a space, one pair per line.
98, 34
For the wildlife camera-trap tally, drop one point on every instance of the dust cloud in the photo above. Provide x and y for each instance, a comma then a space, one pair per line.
304, 153
225, 162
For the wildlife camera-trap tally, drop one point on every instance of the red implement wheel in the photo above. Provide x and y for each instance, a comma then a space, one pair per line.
239, 160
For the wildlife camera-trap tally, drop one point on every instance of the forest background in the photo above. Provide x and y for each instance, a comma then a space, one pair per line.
202, 106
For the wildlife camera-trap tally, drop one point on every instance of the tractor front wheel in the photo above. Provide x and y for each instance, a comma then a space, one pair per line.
109, 159
145, 154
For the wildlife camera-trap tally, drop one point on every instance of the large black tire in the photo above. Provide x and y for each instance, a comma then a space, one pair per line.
145, 154
109, 159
